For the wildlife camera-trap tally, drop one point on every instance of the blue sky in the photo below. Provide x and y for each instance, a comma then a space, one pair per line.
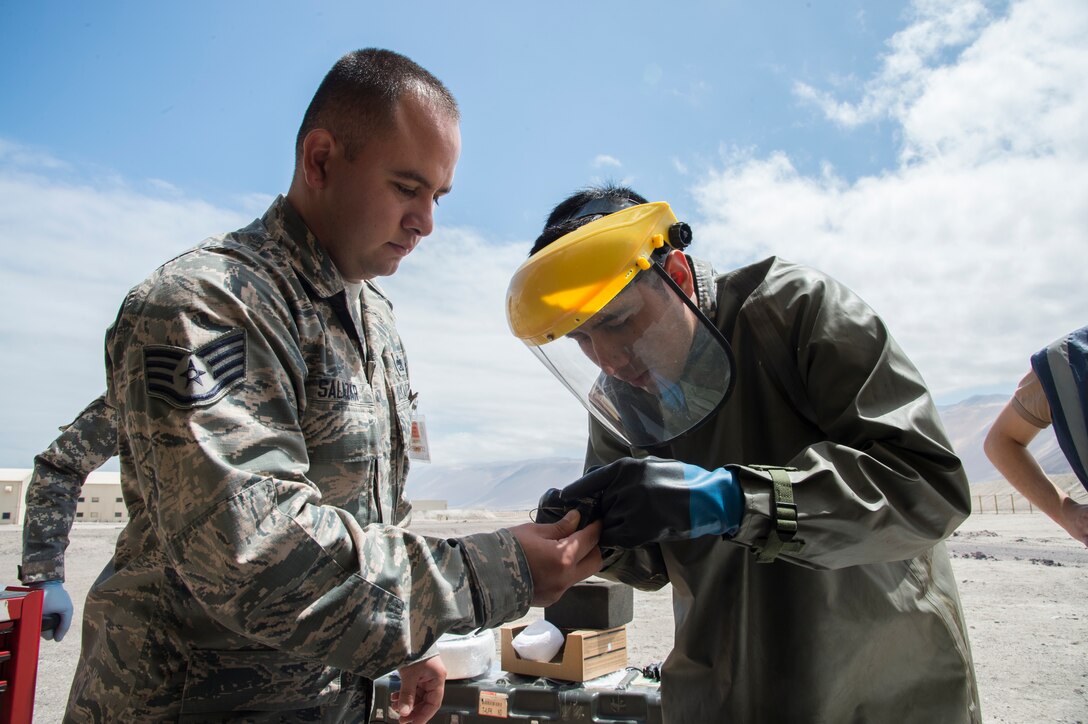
932, 155
204, 95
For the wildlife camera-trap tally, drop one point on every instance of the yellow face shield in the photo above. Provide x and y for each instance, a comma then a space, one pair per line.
612, 326
570, 280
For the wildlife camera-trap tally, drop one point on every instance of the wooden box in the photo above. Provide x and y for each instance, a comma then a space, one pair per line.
586, 654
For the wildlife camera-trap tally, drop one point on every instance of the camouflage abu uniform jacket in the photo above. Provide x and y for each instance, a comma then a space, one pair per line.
53, 493
263, 444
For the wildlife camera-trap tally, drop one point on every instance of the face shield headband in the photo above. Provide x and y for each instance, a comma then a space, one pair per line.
631, 346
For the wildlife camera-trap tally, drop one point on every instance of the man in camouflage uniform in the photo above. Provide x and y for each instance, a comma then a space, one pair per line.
264, 410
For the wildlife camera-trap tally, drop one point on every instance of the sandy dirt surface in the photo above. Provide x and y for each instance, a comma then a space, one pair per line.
1023, 582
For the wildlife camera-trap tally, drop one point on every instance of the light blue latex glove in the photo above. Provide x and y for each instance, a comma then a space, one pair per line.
58, 603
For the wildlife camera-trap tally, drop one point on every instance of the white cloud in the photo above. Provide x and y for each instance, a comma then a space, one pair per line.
1019, 90
14, 154
972, 248
604, 159
484, 395
939, 26
72, 248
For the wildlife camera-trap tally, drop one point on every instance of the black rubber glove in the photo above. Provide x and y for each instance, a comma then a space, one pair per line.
651, 500
553, 506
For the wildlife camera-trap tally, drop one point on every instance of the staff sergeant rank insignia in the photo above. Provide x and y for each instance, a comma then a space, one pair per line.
192, 379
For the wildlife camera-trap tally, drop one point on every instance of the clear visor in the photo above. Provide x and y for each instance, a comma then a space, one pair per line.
648, 365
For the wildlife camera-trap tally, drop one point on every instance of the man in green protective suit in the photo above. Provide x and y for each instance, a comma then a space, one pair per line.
761, 443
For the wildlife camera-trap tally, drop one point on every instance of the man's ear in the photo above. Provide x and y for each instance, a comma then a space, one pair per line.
317, 147
677, 267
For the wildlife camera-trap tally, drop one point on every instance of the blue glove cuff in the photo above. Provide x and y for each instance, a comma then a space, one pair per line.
716, 501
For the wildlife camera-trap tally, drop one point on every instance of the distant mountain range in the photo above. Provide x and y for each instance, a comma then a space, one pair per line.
492, 486
518, 485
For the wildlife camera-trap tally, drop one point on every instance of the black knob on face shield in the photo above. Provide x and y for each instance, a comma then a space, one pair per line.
680, 235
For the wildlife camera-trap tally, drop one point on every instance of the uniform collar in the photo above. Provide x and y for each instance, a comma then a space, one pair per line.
706, 292
307, 256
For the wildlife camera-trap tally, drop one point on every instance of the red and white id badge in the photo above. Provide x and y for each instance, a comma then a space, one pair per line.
418, 447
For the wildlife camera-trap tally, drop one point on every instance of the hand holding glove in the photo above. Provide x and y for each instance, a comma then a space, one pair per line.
56, 602
554, 505
651, 500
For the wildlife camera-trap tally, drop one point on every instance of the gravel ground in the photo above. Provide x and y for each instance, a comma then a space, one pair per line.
1022, 580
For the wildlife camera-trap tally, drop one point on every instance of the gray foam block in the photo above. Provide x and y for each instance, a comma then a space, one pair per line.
595, 604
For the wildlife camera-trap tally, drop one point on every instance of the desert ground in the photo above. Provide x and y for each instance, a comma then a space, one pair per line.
1023, 581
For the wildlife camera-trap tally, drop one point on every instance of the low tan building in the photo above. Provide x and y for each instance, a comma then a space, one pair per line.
100, 500
12, 485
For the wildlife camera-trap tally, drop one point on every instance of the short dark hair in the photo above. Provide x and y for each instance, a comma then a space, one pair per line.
360, 94
582, 207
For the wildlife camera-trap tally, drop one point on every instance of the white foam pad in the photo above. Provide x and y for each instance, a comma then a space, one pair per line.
467, 656
539, 641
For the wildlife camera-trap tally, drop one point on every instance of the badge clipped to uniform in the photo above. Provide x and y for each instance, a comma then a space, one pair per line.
418, 447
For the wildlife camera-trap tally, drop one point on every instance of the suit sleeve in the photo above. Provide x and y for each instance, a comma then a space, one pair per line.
882, 483
55, 485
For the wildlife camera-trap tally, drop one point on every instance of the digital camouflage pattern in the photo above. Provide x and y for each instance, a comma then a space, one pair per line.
55, 485
263, 573
864, 623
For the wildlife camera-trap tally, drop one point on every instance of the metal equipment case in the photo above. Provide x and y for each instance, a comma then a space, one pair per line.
529, 700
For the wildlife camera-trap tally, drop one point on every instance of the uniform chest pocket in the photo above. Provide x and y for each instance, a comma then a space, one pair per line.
340, 421
396, 370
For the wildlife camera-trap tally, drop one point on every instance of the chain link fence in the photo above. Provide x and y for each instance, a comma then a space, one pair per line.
998, 497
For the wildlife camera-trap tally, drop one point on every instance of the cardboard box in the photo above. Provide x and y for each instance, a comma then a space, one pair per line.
586, 654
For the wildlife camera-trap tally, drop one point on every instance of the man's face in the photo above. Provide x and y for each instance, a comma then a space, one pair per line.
640, 336
378, 205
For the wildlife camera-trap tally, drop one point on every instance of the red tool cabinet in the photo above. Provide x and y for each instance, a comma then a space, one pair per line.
20, 634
